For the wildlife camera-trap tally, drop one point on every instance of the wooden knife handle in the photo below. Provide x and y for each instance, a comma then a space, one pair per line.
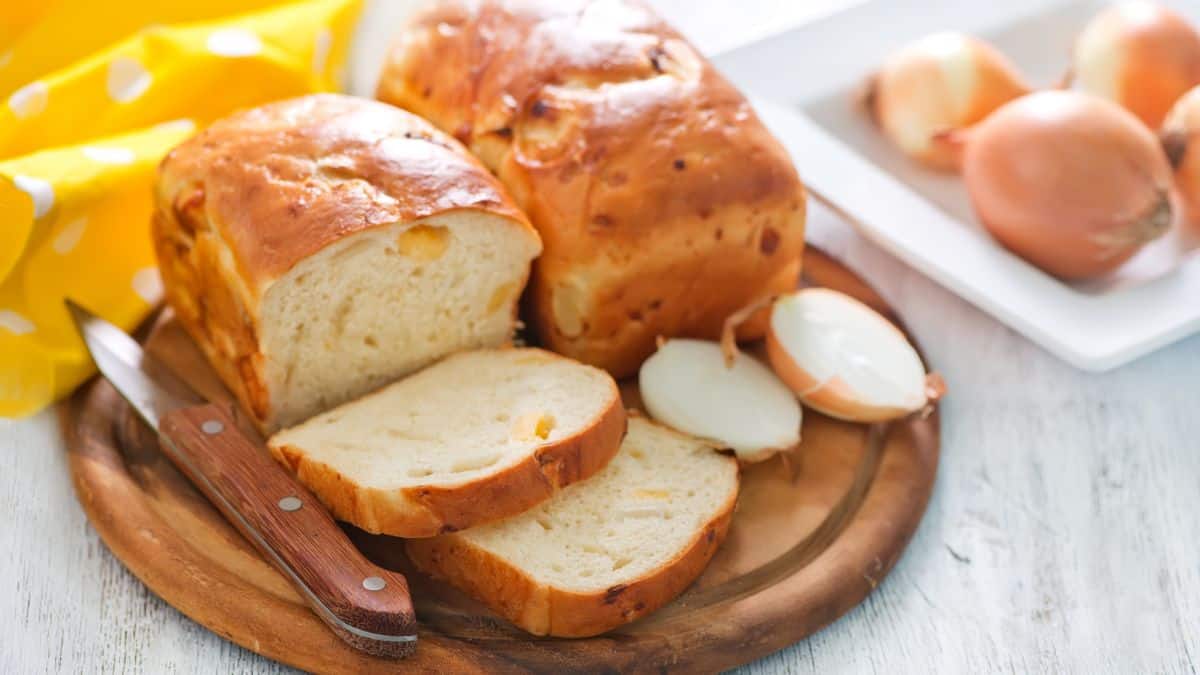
366, 605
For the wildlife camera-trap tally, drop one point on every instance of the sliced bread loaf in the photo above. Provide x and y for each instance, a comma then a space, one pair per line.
320, 247
602, 552
477, 437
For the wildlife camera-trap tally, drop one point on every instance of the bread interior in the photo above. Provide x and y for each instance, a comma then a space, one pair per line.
385, 302
635, 516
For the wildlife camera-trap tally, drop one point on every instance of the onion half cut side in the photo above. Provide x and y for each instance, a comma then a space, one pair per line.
688, 385
845, 360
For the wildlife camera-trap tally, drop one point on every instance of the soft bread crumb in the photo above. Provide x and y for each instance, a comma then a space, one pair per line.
472, 414
636, 515
383, 303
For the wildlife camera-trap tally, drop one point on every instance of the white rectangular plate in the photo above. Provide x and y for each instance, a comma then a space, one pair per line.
803, 82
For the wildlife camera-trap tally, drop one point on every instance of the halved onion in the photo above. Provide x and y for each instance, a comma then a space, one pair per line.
843, 359
687, 385
936, 86
1138, 54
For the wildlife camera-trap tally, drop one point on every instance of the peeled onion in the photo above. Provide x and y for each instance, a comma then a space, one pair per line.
1072, 183
844, 359
687, 385
940, 84
1180, 139
1140, 55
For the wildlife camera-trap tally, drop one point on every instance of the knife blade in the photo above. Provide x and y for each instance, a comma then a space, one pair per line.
367, 606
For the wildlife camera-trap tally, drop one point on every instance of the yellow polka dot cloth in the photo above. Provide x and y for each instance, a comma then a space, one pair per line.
92, 95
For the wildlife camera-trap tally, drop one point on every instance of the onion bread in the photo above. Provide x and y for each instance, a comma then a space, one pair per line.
477, 437
602, 552
664, 203
319, 248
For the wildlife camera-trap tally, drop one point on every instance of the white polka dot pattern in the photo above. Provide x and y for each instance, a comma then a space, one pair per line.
127, 79
180, 125
41, 192
15, 323
109, 155
148, 285
29, 100
68, 238
234, 42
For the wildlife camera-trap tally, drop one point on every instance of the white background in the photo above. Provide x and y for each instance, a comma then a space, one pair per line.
1063, 534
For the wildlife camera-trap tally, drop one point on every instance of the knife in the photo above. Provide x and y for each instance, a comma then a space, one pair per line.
365, 605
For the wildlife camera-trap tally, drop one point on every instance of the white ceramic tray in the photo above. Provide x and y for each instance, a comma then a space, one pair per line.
804, 83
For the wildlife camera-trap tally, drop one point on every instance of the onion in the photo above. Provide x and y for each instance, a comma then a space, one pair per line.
686, 384
942, 83
1140, 55
1070, 182
843, 359
1180, 134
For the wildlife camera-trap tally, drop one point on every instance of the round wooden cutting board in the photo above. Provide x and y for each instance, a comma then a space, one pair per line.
810, 539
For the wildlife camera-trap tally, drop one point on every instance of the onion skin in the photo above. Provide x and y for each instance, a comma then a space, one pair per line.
1140, 55
1072, 183
940, 84
1180, 134
833, 397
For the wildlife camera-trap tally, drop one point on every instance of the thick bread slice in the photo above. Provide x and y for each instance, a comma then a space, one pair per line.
480, 436
603, 552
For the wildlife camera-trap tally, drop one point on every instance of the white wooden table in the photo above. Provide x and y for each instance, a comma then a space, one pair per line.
1063, 534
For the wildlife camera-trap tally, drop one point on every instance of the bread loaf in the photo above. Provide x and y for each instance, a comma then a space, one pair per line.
602, 552
320, 247
663, 202
476, 437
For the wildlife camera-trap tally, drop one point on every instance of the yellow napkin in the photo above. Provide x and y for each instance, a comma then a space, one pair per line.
92, 95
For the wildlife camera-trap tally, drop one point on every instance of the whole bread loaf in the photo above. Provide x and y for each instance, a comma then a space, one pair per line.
320, 247
663, 202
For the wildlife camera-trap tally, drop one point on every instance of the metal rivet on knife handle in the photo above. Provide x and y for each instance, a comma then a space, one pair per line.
235, 472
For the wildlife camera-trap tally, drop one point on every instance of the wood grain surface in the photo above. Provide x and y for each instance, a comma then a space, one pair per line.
1060, 536
807, 543
240, 479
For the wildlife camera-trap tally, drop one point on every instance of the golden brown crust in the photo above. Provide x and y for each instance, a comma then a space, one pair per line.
282, 181
430, 510
542, 609
241, 203
663, 202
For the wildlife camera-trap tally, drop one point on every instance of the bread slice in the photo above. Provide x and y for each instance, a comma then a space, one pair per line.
477, 437
605, 551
